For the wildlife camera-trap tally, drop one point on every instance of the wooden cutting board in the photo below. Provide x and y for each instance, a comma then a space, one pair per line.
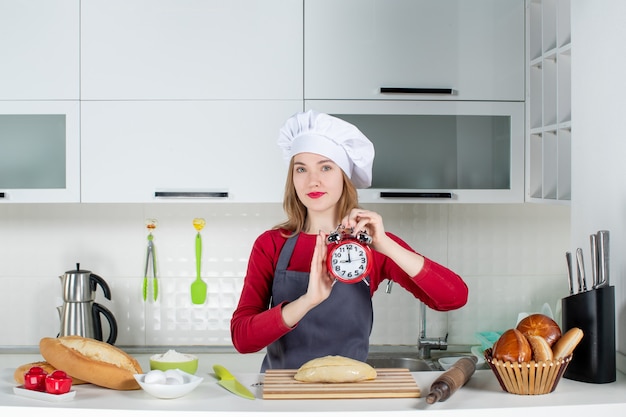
279, 384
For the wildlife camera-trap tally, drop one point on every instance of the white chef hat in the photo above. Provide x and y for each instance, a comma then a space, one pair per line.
332, 137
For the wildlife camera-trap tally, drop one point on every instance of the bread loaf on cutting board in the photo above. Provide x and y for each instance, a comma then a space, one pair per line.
335, 369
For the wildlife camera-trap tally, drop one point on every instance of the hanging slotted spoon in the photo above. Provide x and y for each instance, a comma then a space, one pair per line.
198, 287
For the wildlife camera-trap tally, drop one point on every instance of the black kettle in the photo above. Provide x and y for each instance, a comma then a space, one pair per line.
79, 314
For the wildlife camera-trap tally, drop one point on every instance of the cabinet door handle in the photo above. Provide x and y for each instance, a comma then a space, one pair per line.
417, 194
1, 195
191, 194
406, 90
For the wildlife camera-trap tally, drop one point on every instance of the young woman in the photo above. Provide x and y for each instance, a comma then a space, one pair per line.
290, 304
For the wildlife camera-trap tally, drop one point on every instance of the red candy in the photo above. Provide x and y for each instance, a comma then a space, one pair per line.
35, 379
58, 383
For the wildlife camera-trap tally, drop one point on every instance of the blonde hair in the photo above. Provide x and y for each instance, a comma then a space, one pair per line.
297, 212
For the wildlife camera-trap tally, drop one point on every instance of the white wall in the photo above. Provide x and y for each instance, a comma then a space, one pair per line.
511, 256
598, 138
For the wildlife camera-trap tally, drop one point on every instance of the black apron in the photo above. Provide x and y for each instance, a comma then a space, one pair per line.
340, 325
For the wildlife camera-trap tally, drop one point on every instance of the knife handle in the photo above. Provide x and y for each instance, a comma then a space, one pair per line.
222, 373
570, 273
582, 282
603, 258
593, 241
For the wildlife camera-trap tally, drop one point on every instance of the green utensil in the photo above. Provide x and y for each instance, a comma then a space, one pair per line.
228, 381
155, 283
150, 258
198, 287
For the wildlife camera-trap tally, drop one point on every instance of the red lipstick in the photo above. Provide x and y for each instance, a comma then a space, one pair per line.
315, 194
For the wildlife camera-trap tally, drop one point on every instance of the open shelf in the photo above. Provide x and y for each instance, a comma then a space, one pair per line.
548, 101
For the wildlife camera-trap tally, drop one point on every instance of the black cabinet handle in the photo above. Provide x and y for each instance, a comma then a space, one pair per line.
417, 194
405, 90
1, 195
191, 194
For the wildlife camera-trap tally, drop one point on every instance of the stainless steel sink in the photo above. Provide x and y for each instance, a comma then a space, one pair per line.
412, 364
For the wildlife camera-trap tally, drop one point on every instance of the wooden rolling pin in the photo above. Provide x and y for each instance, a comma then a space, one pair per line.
451, 380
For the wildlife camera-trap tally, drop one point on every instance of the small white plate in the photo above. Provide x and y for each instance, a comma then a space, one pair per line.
44, 396
479, 353
166, 391
447, 362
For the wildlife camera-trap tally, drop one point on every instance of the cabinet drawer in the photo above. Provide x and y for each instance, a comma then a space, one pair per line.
163, 151
353, 48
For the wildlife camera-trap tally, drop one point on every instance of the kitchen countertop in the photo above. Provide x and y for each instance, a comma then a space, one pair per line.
481, 396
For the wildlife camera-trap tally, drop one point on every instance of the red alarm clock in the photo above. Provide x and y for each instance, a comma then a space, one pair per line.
349, 257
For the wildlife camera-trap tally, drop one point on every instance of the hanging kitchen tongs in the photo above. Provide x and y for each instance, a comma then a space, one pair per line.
151, 224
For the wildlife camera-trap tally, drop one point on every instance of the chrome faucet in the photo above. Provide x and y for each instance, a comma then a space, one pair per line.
425, 344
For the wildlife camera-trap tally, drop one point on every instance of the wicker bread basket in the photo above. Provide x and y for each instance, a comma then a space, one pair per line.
528, 378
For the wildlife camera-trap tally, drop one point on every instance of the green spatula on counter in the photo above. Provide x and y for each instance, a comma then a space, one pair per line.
198, 287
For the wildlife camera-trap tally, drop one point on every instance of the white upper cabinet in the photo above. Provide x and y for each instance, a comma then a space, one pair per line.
165, 150
353, 48
193, 49
439, 151
39, 151
39, 44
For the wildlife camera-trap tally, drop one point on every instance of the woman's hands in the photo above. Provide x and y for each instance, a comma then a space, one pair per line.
320, 281
320, 285
372, 223
369, 222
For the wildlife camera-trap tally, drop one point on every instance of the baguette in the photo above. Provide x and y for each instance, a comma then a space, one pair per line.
335, 369
566, 344
18, 375
92, 361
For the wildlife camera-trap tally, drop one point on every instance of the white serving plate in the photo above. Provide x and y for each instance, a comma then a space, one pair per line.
44, 396
166, 391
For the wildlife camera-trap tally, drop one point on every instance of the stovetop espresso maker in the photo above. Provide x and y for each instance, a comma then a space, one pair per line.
80, 314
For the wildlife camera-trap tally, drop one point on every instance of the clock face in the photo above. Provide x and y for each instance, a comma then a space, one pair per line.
349, 261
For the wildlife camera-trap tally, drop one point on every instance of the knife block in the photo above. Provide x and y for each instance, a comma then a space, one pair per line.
593, 312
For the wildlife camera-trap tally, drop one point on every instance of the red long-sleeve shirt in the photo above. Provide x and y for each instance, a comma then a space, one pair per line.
254, 325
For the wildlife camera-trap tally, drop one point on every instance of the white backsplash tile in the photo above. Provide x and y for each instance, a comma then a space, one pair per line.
511, 257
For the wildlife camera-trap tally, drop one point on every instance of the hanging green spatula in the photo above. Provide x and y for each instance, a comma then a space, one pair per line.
198, 287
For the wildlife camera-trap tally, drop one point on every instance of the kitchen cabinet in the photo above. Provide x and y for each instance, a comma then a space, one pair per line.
353, 48
439, 151
188, 50
548, 101
39, 151
39, 43
163, 151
